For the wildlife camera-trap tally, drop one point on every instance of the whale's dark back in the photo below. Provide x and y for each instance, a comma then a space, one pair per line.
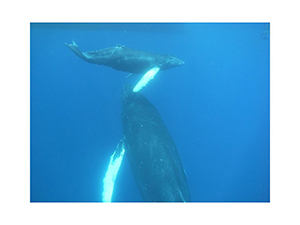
151, 152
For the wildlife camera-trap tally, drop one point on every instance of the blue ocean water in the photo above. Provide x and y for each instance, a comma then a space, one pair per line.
216, 106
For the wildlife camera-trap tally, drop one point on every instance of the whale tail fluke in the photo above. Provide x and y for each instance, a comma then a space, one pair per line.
74, 48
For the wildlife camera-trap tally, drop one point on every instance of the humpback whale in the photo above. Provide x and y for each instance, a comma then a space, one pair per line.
126, 59
151, 151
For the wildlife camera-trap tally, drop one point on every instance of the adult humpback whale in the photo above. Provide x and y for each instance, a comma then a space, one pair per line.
151, 151
127, 59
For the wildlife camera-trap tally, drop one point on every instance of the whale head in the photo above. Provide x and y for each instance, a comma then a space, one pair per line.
172, 61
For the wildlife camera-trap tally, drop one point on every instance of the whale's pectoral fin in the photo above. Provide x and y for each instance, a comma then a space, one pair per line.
146, 78
76, 50
112, 171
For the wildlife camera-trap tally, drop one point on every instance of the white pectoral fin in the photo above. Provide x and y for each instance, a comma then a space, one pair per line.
112, 171
146, 78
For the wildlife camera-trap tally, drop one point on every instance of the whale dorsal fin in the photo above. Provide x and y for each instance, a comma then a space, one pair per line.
116, 48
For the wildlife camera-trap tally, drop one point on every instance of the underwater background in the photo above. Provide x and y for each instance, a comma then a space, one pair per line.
216, 106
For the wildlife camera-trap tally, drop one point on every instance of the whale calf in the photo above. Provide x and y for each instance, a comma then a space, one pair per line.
126, 59
151, 151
